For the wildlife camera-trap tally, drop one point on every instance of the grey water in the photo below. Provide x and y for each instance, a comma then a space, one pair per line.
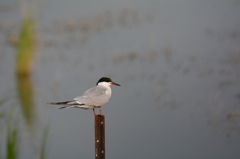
178, 63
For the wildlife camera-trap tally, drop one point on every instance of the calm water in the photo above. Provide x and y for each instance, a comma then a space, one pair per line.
178, 64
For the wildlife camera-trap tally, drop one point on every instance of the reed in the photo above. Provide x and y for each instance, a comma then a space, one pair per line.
44, 146
26, 48
24, 62
12, 142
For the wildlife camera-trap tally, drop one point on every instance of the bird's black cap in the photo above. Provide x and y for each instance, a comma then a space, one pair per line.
106, 79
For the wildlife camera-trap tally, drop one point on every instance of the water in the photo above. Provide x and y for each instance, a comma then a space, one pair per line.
177, 63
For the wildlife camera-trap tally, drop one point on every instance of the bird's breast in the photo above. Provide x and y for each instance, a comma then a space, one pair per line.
108, 92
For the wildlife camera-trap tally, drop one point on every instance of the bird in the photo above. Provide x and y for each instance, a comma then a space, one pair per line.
93, 98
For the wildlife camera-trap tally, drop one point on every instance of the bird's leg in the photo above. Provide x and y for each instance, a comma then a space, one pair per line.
94, 112
100, 112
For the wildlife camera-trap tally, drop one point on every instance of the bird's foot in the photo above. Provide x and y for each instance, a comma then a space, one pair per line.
94, 112
100, 112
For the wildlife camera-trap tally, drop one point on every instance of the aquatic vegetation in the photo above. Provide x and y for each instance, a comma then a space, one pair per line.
26, 46
12, 142
24, 62
44, 147
25, 95
12, 146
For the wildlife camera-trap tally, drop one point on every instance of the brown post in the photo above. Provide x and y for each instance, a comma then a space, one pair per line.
100, 137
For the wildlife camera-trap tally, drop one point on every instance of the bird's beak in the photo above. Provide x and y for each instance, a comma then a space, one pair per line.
113, 83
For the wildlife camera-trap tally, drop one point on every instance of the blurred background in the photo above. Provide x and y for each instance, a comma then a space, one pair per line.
178, 63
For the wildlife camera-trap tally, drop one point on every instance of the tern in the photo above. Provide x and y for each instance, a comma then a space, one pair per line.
93, 98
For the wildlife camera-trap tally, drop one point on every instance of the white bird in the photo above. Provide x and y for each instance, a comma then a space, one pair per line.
93, 98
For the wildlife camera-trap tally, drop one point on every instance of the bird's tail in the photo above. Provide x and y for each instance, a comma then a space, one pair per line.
68, 106
72, 106
60, 103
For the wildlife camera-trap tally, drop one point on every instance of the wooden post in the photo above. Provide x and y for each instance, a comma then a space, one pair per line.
100, 137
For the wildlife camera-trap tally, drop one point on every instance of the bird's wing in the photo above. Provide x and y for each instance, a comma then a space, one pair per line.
94, 96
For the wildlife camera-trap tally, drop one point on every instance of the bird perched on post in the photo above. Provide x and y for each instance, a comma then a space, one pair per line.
93, 98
